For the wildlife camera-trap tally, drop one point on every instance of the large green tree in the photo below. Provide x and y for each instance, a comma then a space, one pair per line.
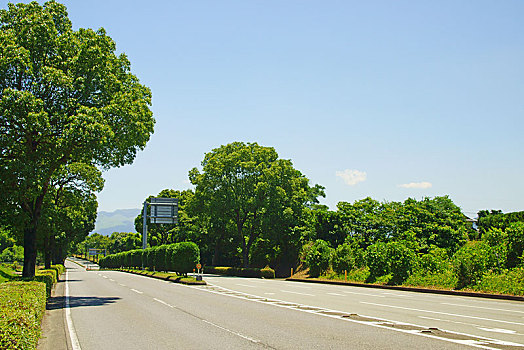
262, 196
66, 97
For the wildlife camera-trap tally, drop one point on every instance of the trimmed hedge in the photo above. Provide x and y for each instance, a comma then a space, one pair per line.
178, 257
22, 306
241, 272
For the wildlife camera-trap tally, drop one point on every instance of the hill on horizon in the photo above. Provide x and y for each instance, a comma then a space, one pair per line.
120, 220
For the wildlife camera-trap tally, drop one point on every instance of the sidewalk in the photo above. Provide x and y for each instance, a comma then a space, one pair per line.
54, 334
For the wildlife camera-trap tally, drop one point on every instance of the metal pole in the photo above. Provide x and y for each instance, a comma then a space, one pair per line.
144, 231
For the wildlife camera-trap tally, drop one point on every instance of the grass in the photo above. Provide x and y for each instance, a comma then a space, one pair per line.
22, 306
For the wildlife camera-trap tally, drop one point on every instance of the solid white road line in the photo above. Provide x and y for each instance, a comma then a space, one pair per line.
336, 294
483, 307
72, 333
444, 313
163, 302
495, 330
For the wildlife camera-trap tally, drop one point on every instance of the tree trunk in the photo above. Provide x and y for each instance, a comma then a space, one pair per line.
29, 252
47, 251
216, 255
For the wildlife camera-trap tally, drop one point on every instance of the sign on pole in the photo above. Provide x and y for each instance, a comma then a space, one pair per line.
164, 210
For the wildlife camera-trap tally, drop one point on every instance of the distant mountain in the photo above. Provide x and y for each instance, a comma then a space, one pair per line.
121, 220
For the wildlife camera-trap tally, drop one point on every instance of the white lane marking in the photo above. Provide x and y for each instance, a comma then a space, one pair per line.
75, 344
482, 307
294, 285
104, 276
269, 293
336, 294
123, 285
444, 313
163, 302
479, 343
395, 294
498, 330
246, 285
112, 280
233, 332
137, 291
288, 291
368, 294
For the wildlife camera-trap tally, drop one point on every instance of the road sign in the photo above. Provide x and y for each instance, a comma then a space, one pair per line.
164, 210
198, 266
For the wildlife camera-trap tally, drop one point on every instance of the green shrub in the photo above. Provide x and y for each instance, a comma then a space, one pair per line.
377, 260
471, 262
12, 254
241, 272
515, 233
446, 279
22, 306
343, 259
359, 275
318, 258
507, 282
48, 278
184, 257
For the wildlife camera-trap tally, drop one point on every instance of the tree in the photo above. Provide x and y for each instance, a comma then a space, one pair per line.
248, 186
66, 97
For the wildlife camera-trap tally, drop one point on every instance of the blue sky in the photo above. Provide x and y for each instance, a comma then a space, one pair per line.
387, 99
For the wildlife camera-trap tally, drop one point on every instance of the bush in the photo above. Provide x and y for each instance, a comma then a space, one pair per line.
241, 272
184, 257
471, 262
377, 260
12, 254
47, 277
507, 282
318, 258
438, 280
515, 233
343, 259
22, 306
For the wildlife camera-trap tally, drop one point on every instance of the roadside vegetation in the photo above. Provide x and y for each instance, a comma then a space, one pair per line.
22, 304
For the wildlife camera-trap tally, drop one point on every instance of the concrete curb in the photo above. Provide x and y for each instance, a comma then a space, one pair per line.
413, 289
169, 278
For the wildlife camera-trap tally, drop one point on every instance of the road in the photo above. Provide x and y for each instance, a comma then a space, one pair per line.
115, 310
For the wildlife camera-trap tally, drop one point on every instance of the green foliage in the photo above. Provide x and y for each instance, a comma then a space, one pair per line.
48, 277
515, 232
241, 272
445, 279
471, 262
12, 254
318, 258
22, 306
391, 259
245, 193
343, 259
69, 105
179, 257
506, 282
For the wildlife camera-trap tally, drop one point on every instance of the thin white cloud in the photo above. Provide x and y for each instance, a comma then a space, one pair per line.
420, 185
352, 177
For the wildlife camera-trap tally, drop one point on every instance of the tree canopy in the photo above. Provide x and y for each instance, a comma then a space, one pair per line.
66, 98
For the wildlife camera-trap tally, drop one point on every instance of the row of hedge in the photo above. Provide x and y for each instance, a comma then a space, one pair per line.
22, 306
178, 257
241, 272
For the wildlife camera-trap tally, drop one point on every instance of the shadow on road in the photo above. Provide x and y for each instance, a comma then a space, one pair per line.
58, 302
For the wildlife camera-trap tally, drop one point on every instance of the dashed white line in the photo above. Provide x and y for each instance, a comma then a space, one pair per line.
137, 291
163, 302
444, 313
112, 280
337, 294
288, 291
123, 285
232, 332
246, 285
368, 294
104, 276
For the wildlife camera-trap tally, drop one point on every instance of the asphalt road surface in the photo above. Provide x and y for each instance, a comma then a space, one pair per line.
115, 310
